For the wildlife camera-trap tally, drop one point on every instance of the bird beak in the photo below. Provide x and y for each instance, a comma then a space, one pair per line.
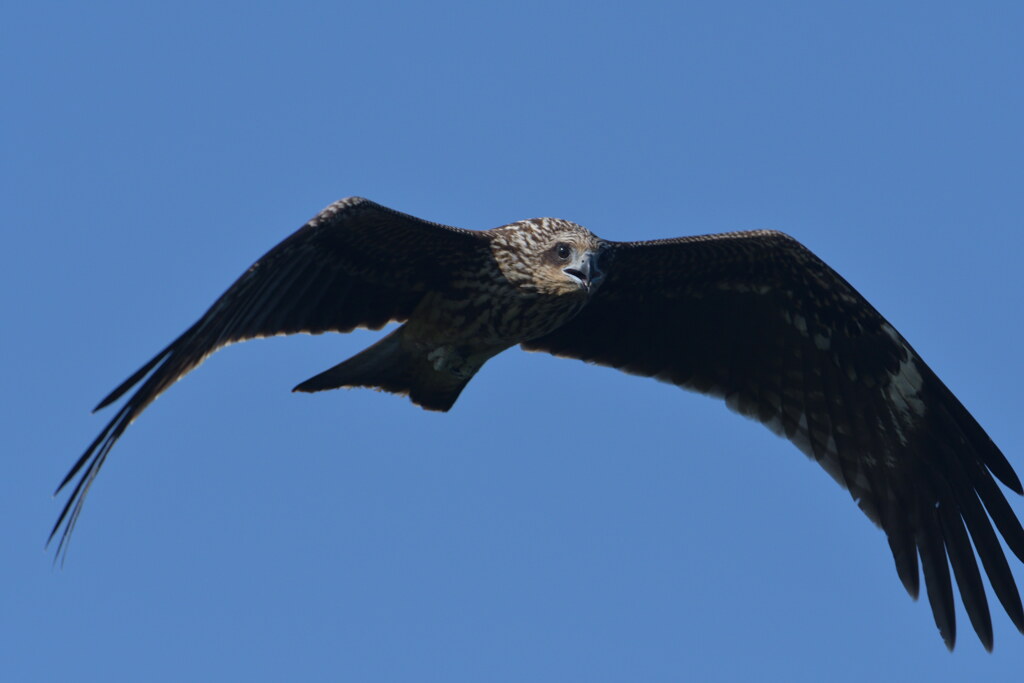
586, 271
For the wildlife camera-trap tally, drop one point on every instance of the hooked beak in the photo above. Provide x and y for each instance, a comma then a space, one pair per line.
586, 271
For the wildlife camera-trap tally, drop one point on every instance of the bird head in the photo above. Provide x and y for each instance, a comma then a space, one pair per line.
549, 256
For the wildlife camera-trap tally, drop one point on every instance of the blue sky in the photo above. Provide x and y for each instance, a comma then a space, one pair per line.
563, 522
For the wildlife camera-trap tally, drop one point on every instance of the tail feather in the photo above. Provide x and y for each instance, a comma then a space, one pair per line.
390, 366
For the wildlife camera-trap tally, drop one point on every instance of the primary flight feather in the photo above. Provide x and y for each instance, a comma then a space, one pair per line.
751, 317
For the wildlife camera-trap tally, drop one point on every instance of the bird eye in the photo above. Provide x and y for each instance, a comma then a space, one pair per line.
563, 251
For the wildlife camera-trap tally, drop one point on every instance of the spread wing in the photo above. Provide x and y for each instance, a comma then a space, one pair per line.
356, 264
757, 319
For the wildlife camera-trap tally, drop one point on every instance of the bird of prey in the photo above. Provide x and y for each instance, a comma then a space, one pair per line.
753, 318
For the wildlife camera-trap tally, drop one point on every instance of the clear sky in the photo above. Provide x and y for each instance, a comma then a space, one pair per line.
563, 522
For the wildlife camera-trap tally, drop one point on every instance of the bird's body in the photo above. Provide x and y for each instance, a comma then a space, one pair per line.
753, 318
498, 303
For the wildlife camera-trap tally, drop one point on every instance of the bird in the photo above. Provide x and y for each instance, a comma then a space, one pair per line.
753, 318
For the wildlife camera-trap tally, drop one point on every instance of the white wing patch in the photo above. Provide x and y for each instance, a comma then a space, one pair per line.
800, 323
904, 388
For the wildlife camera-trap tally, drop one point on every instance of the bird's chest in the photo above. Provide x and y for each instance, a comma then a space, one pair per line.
493, 316
517, 319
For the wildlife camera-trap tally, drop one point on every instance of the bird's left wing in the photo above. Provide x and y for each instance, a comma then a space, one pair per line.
755, 318
356, 264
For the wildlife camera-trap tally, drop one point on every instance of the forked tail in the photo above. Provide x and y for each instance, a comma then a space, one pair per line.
393, 366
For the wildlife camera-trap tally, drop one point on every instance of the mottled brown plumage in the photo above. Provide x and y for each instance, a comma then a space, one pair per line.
518, 289
753, 318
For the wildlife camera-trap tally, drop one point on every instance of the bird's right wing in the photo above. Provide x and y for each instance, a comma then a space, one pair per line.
356, 264
757, 319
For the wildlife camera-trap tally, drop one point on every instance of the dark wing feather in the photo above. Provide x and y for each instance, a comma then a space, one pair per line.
356, 264
757, 319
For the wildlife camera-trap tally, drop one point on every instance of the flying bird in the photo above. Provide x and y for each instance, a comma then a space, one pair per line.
752, 317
